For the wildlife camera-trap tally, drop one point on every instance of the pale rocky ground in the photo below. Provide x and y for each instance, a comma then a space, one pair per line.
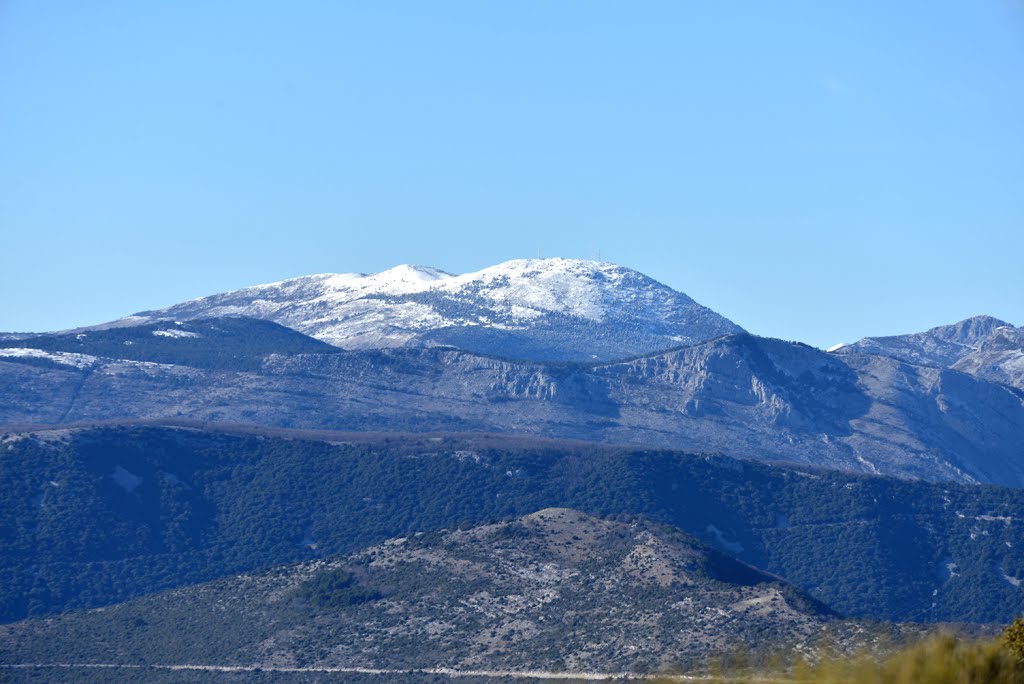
556, 591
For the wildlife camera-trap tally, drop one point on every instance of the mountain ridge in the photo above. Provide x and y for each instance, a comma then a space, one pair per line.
983, 346
738, 394
941, 346
545, 309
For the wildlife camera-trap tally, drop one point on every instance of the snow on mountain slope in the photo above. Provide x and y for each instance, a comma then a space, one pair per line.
60, 358
542, 309
941, 346
999, 358
983, 346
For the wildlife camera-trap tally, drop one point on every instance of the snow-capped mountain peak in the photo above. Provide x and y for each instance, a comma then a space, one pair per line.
403, 279
568, 286
565, 309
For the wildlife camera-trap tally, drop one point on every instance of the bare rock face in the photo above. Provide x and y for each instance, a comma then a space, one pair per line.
982, 346
742, 395
999, 358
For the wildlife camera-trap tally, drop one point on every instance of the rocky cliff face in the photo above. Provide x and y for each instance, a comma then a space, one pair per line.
983, 346
999, 358
742, 395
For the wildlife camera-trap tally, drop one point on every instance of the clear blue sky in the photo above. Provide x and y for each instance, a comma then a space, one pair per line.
813, 170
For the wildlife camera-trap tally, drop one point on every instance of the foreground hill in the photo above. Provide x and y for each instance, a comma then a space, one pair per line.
742, 395
539, 309
556, 590
93, 517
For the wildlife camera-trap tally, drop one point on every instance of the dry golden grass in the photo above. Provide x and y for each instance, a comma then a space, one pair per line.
940, 659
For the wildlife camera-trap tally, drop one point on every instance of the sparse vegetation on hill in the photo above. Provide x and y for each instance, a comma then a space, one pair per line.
560, 591
334, 588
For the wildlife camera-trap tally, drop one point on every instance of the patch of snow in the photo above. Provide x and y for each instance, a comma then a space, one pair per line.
568, 286
867, 464
836, 347
175, 333
128, 481
1012, 581
1007, 520
80, 361
948, 569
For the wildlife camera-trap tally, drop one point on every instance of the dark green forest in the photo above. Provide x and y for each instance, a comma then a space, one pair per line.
226, 343
96, 516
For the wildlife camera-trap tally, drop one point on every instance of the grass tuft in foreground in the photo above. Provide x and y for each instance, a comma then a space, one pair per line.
940, 659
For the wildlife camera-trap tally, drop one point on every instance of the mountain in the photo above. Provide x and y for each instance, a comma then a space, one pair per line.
227, 343
742, 395
999, 358
942, 346
556, 590
91, 517
982, 346
538, 309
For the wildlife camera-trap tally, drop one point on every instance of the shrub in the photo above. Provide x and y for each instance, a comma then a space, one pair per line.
334, 588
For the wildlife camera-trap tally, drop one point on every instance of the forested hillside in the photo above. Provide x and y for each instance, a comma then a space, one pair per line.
95, 516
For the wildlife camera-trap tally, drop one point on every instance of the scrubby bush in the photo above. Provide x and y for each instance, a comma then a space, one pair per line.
1013, 638
940, 659
943, 659
335, 588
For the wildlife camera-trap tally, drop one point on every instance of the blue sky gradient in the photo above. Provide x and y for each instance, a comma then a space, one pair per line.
813, 170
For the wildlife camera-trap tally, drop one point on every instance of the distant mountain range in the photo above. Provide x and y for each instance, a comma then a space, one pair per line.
547, 464
536, 309
946, 404
983, 346
741, 395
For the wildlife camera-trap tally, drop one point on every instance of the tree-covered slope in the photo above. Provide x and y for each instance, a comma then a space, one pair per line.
226, 343
96, 516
